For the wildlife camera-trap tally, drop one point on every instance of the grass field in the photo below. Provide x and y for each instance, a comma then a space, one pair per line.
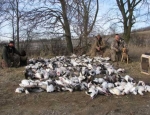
75, 103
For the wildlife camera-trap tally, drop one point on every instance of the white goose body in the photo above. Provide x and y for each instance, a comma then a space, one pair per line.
50, 88
27, 83
98, 70
67, 89
120, 70
101, 80
141, 89
115, 91
84, 86
128, 87
147, 88
128, 78
110, 70
19, 90
59, 82
81, 77
65, 80
74, 63
134, 90
110, 85
104, 85
38, 75
96, 80
121, 88
93, 91
101, 90
43, 85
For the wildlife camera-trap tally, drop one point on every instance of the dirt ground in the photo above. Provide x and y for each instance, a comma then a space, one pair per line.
66, 103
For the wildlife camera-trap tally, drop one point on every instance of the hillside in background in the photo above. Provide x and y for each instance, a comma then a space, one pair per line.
142, 30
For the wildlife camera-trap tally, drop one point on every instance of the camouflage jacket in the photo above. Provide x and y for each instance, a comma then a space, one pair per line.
97, 43
116, 46
8, 52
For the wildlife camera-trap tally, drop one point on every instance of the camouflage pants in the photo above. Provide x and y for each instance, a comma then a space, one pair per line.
115, 56
13, 61
99, 53
23, 60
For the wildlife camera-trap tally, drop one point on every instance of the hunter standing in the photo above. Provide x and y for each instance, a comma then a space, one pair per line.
116, 46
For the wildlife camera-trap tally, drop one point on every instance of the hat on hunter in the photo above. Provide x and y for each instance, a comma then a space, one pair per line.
11, 42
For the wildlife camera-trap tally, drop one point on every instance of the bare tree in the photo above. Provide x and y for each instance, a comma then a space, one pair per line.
66, 26
18, 20
127, 8
52, 17
85, 18
11, 13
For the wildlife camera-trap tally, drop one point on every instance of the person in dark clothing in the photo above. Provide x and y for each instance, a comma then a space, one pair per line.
23, 58
10, 56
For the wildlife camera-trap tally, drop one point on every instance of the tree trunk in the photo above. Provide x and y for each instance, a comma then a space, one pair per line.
127, 7
86, 16
13, 28
66, 26
17, 6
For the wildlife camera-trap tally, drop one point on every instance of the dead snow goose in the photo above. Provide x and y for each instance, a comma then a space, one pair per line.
29, 74
96, 80
50, 88
104, 85
74, 63
141, 87
20, 90
98, 70
43, 85
84, 86
93, 91
110, 70
147, 88
38, 75
110, 85
128, 78
73, 56
128, 87
100, 80
115, 91
89, 66
81, 77
26, 91
101, 90
26, 83
120, 70
134, 90
67, 89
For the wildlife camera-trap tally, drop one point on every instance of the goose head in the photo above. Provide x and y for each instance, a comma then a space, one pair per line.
129, 79
92, 73
29, 73
141, 83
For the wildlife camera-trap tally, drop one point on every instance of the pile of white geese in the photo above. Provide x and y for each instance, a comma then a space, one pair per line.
95, 76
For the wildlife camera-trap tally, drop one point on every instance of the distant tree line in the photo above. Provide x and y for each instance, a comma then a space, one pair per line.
30, 19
